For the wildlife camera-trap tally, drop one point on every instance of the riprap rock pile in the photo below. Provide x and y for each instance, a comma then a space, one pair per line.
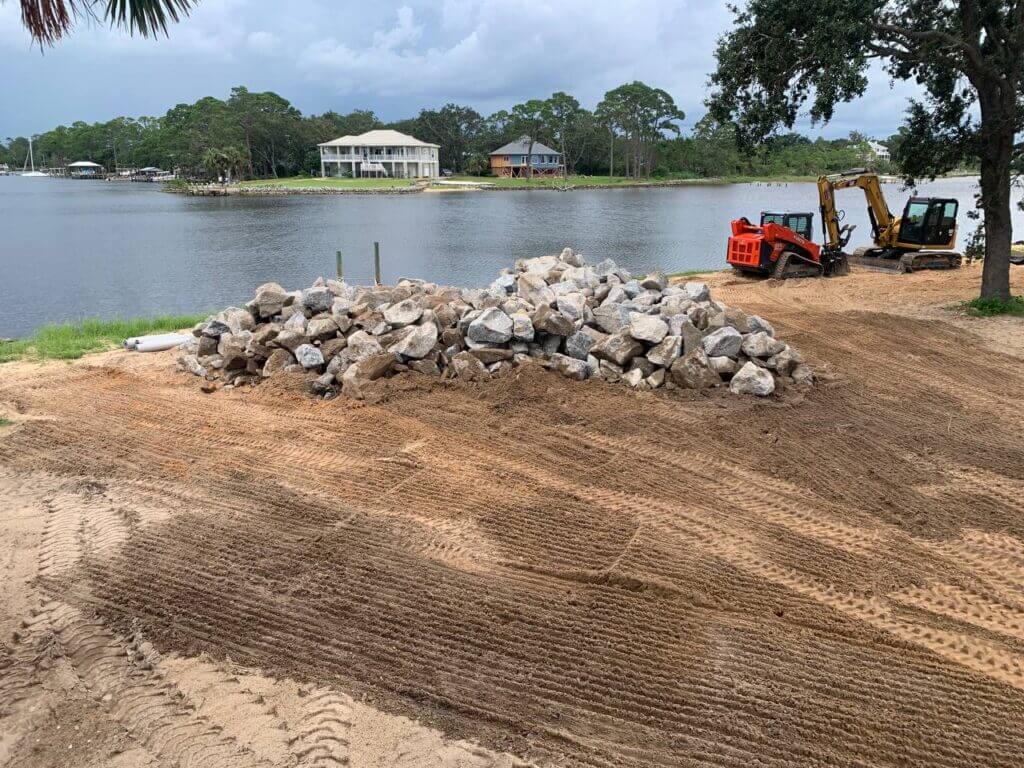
580, 320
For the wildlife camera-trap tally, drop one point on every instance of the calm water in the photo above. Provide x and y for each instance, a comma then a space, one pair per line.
74, 249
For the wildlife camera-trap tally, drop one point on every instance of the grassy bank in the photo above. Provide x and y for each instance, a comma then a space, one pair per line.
310, 183
72, 340
572, 182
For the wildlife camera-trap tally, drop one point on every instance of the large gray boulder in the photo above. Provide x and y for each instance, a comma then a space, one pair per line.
357, 375
649, 328
522, 327
309, 356
757, 323
697, 291
191, 364
752, 380
269, 300
656, 281
290, 340
231, 320
317, 299
279, 360
666, 352
760, 344
418, 343
403, 313
693, 371
570, 367
578, 345
467, 366
784, 361
321, 328
492, 326
725, 342
618, 348
572, 305
552, 321
534, 289
361, 345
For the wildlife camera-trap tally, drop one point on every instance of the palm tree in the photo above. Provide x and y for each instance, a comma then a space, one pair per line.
50, 20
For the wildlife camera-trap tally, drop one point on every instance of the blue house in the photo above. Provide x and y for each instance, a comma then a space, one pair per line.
510, 160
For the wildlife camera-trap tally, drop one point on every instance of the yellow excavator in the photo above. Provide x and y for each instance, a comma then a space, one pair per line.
922, 238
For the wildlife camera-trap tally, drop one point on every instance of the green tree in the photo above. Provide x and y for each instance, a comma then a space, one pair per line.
968, 55
645, 115
50, 20
565, 120
454, 128
527, 120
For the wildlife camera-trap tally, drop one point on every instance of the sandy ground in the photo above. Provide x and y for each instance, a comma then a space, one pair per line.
530, 570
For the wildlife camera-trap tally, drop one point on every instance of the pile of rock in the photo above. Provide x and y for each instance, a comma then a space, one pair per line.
579, 320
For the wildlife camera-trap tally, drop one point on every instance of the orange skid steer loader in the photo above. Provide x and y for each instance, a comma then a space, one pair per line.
782, 246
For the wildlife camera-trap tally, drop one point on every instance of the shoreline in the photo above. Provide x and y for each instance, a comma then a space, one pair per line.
247, 189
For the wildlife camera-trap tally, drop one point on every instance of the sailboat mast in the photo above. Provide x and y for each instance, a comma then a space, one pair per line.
32, 157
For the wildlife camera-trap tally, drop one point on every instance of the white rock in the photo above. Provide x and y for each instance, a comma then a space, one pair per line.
492, 327
697, 291
418, 343
725, 342
403, 313
752, 380
522, 327
760, 344
757, 323
666, 351
649, 328
572, 306
309, 356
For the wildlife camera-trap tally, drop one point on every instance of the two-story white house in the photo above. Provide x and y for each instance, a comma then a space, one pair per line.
379, 153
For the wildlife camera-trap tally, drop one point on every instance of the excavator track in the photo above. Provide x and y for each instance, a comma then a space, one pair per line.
874, 258
791, 265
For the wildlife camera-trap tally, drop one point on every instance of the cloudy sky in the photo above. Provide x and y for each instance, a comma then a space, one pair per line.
392, 56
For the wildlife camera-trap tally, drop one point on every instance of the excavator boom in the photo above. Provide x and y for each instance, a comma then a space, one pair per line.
901, 244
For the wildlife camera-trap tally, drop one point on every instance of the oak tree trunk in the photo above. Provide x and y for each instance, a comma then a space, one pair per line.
996, 154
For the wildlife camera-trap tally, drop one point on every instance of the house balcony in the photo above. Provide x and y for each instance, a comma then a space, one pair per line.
373, 157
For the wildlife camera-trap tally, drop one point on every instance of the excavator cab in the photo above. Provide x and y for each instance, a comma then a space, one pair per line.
801, 223
929, 221
922, 238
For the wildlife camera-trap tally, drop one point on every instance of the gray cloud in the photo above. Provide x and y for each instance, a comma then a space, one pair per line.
393, 56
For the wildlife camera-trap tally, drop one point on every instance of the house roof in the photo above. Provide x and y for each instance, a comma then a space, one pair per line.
85, 164
521, 147
876, 147
383, 137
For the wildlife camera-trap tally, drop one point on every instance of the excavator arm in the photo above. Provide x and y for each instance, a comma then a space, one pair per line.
882, 220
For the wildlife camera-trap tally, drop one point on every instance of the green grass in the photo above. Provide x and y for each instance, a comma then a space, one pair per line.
72, 340
302, 182
557, 182
693, 272
992, 307
4, 422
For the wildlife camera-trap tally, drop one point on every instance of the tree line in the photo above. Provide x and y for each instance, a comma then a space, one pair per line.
634, 131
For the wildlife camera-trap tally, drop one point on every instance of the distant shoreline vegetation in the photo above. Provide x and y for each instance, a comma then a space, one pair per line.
635, 132
306, 185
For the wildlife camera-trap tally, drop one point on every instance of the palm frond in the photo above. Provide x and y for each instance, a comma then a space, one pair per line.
50, 20
147, 17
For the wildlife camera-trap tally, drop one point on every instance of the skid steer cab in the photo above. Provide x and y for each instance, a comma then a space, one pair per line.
781, 246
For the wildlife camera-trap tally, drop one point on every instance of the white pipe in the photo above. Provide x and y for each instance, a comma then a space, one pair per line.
161, 342
133, 341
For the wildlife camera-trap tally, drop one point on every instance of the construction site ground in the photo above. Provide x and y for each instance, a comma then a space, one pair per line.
530, 570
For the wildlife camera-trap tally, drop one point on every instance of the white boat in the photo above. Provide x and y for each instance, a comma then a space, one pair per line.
31, 159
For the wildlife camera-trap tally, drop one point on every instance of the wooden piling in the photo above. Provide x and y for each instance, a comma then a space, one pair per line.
340, 266
376, 262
